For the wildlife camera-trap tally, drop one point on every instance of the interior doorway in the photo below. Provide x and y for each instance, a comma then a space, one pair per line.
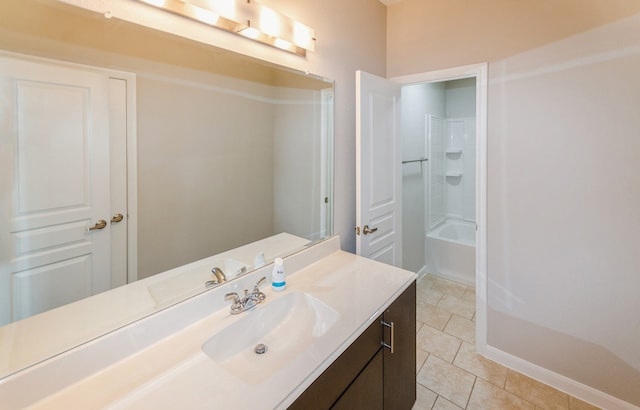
450, 167
379, 173
438, 178
68, 224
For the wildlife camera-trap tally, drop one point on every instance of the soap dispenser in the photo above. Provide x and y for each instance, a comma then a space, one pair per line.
278, 280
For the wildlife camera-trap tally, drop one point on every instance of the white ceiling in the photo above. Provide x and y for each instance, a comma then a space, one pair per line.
389, 2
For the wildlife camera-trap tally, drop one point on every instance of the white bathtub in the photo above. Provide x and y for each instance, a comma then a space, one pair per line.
451, 251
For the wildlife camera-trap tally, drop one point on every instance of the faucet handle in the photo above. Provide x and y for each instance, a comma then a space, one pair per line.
256, 289
236, 307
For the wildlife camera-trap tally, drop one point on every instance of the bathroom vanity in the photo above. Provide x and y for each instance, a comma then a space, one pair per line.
378, 370
325, 338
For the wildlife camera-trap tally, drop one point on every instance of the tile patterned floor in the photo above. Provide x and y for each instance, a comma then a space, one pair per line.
452, 376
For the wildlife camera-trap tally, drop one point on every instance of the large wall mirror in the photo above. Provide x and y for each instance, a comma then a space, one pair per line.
203, 158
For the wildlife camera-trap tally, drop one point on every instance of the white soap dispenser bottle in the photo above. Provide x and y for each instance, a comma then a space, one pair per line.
278, 280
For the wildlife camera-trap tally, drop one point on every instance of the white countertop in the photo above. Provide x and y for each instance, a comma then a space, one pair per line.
21, 342
158, 363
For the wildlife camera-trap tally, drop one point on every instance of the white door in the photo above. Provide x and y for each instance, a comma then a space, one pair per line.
55, 210
378, 169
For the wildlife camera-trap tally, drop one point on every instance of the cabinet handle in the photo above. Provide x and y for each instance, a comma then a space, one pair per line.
390, 345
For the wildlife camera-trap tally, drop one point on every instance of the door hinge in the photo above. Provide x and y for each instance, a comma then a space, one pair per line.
357, 231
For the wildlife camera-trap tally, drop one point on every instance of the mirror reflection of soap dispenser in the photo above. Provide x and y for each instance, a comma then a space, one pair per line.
259, 260
278, 277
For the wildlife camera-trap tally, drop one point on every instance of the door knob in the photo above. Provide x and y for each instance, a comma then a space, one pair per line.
366, 230
101, 224
117, 218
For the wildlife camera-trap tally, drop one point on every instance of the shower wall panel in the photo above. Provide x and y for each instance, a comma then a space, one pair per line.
436, 193
460, 165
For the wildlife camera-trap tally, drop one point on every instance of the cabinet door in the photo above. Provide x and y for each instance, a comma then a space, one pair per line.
331, 384
400, 366
366, 390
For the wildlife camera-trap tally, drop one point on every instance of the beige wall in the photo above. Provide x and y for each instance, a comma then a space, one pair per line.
564, 97
190, 136
427, 35
563, 207
296, 177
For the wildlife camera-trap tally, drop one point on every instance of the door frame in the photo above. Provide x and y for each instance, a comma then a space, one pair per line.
327, 121
132, 170
480, 73
132, 147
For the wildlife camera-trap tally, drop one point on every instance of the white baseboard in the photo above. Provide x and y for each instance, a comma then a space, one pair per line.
558, 381
455, 278
421, 273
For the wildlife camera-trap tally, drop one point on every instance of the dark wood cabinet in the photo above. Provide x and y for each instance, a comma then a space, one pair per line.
368, 375
331, 384
400, 366
367, 390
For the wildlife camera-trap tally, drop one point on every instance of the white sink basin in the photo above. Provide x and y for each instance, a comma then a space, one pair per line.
286, 326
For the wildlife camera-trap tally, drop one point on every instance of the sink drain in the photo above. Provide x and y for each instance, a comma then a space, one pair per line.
260, 348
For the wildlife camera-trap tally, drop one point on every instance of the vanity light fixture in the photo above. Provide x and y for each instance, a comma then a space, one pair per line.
247, 18
210, 15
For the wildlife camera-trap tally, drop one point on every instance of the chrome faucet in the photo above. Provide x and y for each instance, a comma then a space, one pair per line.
249, 301
219, 274
217, 277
